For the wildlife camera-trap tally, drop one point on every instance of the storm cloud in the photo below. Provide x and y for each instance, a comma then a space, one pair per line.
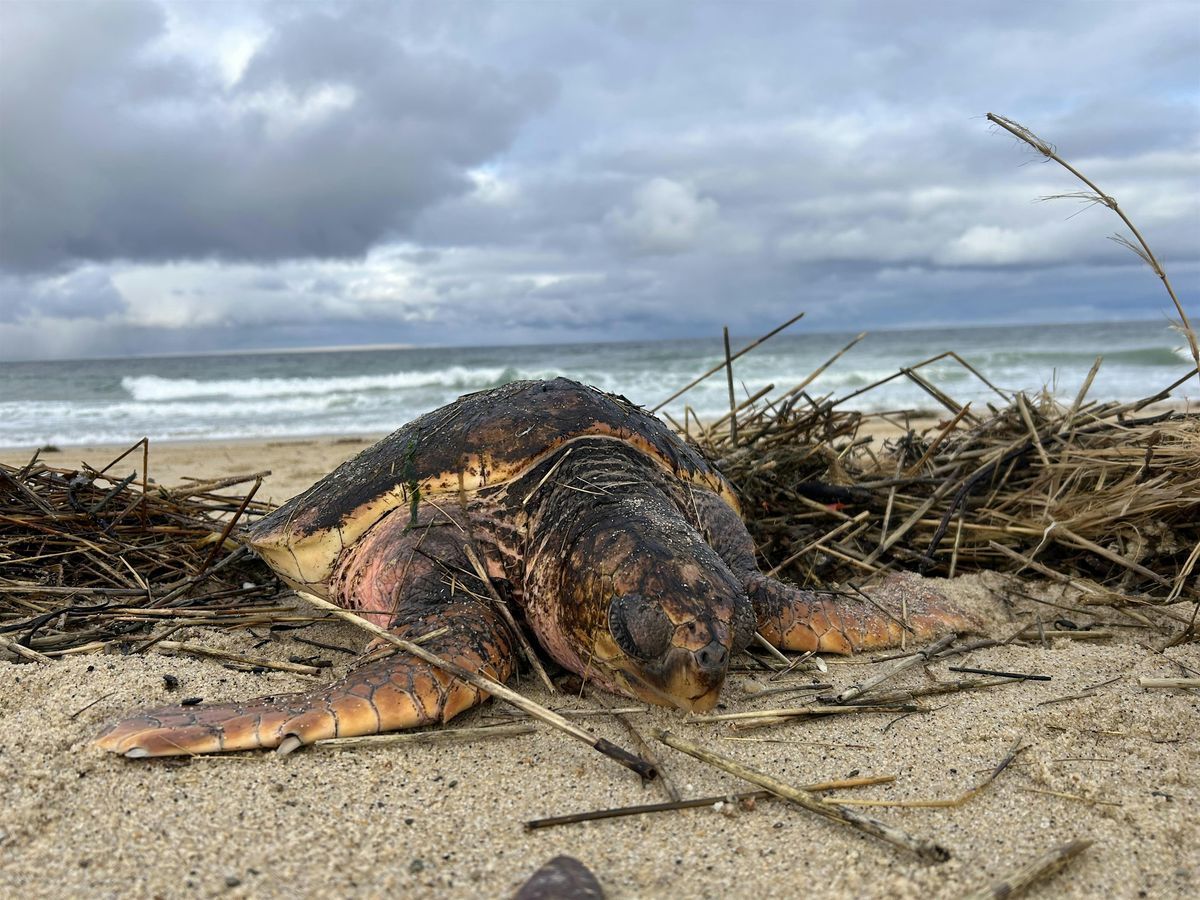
210, 176
328, 142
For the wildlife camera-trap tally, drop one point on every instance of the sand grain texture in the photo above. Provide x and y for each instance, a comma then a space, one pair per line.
447, 821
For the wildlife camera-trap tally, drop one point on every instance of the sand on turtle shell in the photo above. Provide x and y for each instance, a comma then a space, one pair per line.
448, 821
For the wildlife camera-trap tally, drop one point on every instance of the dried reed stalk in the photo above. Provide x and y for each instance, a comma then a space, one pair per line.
254, 661
1019, 881
457, 735
950, 802
1183, 683
903, 665
1094, 195
699, 802
924, 849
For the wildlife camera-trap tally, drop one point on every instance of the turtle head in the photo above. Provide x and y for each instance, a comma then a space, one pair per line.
621, 588
672, 647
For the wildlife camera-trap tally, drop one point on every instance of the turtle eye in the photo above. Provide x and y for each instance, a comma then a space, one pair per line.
639, 626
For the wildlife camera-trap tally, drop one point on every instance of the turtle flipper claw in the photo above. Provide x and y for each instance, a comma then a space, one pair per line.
902, 604
388, 694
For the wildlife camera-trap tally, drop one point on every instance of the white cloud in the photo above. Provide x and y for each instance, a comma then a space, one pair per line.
282, 112
663, 216
492, 189
989, 245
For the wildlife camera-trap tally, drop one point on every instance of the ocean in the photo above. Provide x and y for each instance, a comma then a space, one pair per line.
371, 391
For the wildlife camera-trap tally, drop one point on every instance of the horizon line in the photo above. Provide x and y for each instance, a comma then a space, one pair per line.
367, 348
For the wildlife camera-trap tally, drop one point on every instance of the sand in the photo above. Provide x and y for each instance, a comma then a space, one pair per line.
448, 821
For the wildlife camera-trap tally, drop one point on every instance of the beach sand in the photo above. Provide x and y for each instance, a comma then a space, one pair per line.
1120, 767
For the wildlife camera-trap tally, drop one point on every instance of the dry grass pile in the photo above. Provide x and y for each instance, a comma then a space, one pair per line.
88, 558
1102, 496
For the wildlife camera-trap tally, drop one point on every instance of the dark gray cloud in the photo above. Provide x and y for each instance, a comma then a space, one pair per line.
82, 294
332, 172
333, 138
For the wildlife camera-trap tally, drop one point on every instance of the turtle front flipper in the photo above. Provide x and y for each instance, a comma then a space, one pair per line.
794, 619
395, 692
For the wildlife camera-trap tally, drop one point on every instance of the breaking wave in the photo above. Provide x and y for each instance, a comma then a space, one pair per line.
150, 388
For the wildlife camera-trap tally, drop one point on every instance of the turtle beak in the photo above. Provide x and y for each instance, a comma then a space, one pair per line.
704, 702
687, 680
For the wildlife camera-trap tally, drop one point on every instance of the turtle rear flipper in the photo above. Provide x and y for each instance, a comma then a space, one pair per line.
396, 692
902, 604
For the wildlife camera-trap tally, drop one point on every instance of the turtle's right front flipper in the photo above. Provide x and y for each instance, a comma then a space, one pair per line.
395, 692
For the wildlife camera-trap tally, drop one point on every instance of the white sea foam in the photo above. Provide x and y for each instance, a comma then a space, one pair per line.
154, 387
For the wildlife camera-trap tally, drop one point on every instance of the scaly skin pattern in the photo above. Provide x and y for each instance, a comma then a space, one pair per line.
630, 539
395, 692
421, 595
795, 619
628, 560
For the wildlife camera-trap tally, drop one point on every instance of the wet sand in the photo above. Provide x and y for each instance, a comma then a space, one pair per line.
1120, 767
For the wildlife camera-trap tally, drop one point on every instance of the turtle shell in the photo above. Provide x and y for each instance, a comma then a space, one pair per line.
482, 440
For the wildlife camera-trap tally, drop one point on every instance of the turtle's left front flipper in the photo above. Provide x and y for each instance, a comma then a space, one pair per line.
795, 619
388, 694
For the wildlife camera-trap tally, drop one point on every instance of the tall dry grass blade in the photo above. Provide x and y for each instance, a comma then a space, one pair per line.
816, 373
1141, 248
732, 398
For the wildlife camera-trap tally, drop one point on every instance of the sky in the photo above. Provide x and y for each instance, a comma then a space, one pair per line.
207, 176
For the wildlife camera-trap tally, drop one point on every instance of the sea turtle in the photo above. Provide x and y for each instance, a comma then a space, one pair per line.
621, 548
